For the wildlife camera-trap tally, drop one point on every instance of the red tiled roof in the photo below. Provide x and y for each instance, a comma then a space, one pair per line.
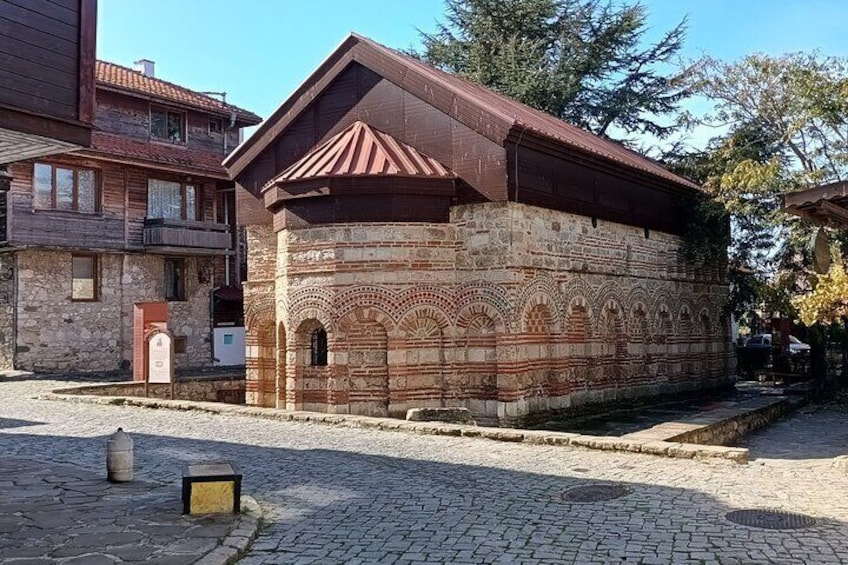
124, 78
360, 150
159, 154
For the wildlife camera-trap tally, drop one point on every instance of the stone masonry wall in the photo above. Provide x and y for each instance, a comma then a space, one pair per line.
203, 389
55, 333
509, 310
260, 317
7, 311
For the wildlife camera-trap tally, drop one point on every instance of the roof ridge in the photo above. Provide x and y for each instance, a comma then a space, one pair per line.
224, 106
515, 121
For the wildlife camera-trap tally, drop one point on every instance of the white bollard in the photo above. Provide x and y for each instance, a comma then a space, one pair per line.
119, 457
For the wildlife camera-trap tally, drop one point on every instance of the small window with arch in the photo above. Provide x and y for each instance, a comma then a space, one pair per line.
318, 347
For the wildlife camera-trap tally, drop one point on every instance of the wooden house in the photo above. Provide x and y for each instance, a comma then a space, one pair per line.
144, 213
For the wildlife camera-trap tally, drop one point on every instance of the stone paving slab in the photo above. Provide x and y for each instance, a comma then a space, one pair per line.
337, 494
647, 444
58, 513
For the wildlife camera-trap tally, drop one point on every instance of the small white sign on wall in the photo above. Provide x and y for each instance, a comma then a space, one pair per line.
160, 358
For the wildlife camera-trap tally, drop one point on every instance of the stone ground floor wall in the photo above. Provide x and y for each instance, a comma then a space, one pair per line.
7, 310
508, 310
55, 334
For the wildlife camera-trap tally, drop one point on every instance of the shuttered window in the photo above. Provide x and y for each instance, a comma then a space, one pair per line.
62, 187
171, 200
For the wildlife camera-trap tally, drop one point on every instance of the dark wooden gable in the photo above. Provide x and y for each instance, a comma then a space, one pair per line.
500, 149
359, 93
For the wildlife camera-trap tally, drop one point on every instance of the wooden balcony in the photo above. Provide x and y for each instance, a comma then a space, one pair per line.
186, 237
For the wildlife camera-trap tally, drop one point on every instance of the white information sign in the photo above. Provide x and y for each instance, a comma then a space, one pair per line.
160, 358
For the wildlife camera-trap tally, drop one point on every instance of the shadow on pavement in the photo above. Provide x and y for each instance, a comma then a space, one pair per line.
340, 507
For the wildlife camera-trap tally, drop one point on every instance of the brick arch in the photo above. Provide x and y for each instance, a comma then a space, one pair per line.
317, 302
541, 288
385, 300
409, 321
421, 371
638, 323
578, 333
611, 324
299, 316
480, 329
436, 298
261, 360
494, 297
259, 310
636, 296
608, 293
662, 331
354, 314
473, 312
365, 387
549, 306
685, 334
307, 384
576, 286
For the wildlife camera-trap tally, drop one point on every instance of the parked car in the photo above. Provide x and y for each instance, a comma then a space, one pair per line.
757, 355
763, 341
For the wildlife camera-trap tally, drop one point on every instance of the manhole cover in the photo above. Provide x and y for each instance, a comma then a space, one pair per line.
770, 519
595, 493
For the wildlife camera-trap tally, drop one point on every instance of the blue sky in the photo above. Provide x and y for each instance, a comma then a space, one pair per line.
258, 51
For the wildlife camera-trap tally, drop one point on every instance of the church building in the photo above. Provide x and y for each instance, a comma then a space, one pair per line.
416, 240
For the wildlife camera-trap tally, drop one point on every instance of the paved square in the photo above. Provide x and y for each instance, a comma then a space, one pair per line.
338, 495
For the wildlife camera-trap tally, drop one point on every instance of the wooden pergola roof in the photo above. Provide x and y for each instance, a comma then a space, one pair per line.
825, 205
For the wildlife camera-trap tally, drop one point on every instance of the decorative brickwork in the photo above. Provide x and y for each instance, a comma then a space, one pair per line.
508, 310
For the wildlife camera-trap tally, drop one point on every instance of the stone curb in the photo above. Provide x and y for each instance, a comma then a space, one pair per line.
240, 538
607, 443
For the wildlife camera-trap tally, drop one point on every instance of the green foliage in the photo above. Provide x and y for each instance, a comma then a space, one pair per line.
580, 60
786, 130
828, 302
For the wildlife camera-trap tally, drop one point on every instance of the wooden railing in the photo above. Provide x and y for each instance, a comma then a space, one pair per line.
186, 233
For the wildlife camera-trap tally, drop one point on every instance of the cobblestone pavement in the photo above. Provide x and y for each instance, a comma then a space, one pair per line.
52, 513
338, 495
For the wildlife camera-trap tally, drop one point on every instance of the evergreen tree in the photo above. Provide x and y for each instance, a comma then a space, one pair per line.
583, 61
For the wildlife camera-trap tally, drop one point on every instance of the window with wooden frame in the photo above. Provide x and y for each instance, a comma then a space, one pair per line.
175, 279
64, 187
172, 200
215, 125
167, 125
85, 278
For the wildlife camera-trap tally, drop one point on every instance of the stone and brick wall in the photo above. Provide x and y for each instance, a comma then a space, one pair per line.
201, 389
55, 333
508, 310
7, 311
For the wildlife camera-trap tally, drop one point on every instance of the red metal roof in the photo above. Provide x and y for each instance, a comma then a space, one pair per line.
126, 79
360, 150
536, 121
412, 74
162, 155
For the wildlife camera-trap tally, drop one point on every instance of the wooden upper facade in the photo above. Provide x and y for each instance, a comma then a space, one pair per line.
498, 150
47, 53
139, 186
